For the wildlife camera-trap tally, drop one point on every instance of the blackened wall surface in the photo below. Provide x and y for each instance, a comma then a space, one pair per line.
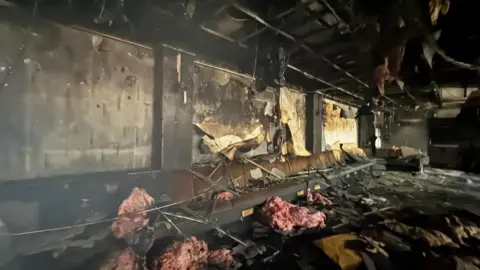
71, 102
409, 129
445, 140
177, 111
76, 126
223, 98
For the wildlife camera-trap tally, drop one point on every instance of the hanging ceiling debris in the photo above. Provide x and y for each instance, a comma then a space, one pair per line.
355, 51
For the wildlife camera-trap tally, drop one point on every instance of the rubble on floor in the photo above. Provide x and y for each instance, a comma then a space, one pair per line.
366, 220
393, 220
396, 220
336, 248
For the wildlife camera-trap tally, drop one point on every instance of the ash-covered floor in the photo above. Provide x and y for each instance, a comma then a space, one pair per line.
392, 220
377, 219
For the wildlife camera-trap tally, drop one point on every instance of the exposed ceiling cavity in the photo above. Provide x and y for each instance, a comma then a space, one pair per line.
398, 54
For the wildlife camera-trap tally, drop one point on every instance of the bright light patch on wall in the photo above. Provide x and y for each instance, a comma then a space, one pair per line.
378, 141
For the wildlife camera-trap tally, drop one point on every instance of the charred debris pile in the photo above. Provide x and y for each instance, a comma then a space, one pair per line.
349, 213
370, 219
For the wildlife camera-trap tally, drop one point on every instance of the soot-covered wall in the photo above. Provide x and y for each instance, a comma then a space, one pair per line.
71, 102
83, 120
340, 124
224, 105
409, 129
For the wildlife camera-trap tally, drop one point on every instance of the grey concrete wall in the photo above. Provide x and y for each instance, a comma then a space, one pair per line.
409, 129
413, 135
71, 102
76, 125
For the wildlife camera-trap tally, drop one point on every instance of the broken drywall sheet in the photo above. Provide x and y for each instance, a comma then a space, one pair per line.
338, 129
292, 114
228, 118
227, 138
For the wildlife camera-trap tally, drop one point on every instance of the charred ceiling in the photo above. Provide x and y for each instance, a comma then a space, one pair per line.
400, 51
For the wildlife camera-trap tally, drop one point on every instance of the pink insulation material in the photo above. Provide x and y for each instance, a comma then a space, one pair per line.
130, 220
285, 216
382, 74
186, 255
225, 196
123, 261
317, 198
191, 254
221, 257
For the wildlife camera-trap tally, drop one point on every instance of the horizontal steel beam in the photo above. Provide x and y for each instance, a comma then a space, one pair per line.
307, 48
261, 30
294, 39
220, 35
310, 76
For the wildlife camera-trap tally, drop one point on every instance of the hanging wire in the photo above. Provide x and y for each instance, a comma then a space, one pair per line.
109, 219
100, 221
102, 10
256, 53
35, 7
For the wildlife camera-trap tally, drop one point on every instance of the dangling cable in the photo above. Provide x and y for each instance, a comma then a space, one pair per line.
256, 54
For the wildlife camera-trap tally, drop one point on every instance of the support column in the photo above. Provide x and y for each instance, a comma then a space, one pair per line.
173, 110
157, 112
314, 128
365, 125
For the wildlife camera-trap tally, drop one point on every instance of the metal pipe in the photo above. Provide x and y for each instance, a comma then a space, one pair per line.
263, 168
308, 75
335, 13
261, 30
199, 62
205, 64
337, 100
213, 208
220, 35
215, 170
184, 217
173, 224
83, 29
396, 103
193, 213
216, 182
208, 180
